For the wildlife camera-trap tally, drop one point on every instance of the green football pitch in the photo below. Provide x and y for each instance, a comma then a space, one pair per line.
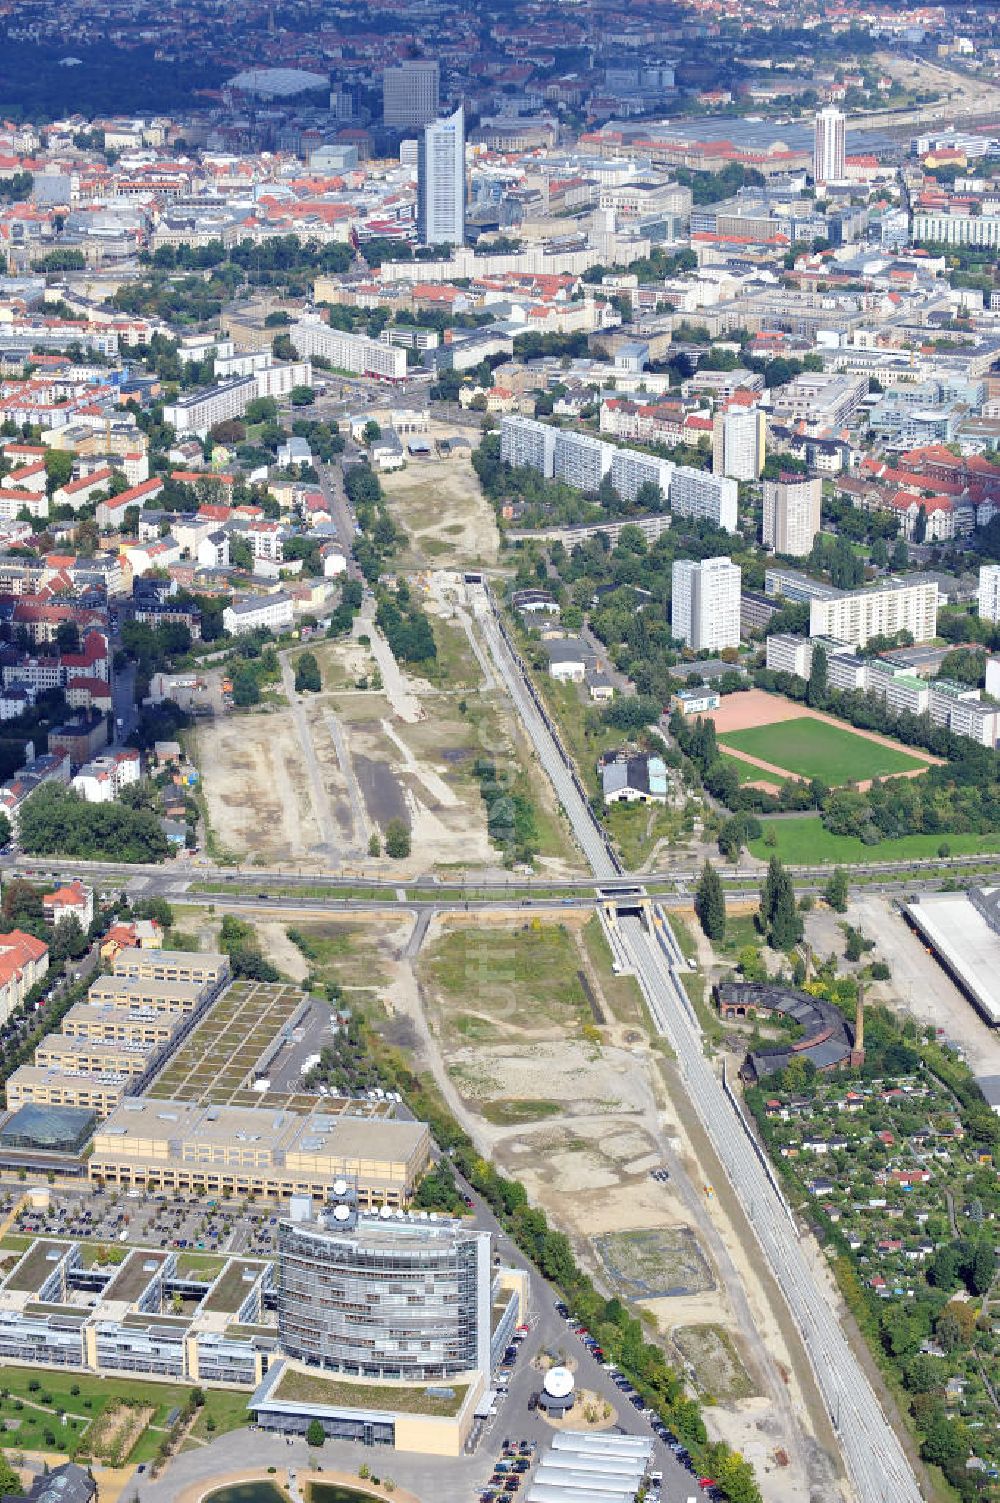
810, 748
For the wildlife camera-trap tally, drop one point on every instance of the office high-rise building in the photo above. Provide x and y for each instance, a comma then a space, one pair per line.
792, 514
828, 147
376, 1297
705, 603
738, 443
410, 94
441, 181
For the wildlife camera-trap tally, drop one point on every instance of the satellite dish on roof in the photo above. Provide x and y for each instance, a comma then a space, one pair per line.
340, 1187
341, 1213
385, 1213
559, 1382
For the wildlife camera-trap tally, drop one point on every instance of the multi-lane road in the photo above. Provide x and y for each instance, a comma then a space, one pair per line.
876, 1463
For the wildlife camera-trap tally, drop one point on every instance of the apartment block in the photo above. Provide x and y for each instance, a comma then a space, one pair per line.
792, 514
738, 443
101, 779
24, 960
581, 460
630, 470
989, 592
201, 410
847, 672
278, 379
826, 399
958, 229
853, 616
901, 691
257, 613
787, 653
792, 584
705, 603
714, 498
354, 353
526, 444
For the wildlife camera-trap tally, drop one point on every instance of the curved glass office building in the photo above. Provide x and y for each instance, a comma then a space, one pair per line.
385, 1297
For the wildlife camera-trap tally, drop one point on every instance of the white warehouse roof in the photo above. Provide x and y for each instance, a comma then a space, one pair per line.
591, 1468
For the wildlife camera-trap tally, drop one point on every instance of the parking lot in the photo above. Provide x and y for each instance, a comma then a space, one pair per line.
519, 1432
191, 1223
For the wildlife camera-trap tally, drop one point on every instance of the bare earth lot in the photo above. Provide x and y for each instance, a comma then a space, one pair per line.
374, 764
380, 741
255, 786
577, 1109
439, 502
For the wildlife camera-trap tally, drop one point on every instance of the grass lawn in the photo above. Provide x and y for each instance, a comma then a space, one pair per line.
686, 941
28, 1427
526, 976
222, 1411
198, 1265
455, 666
16, 1242
310, 1388
636, 829
813, 749
740, 932
509, 1111
802, 841
695, 987
343, 951
746, 772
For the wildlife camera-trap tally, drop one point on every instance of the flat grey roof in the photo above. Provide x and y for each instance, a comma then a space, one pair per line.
965, 944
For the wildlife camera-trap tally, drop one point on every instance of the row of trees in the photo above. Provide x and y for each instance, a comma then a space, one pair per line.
510, 814
407, 628
380, 536
307, 674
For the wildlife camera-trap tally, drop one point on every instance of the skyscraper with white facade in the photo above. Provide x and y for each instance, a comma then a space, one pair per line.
441, 181
410, 94
989, 592
829, 147
705, 603
792, 514
738, 443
